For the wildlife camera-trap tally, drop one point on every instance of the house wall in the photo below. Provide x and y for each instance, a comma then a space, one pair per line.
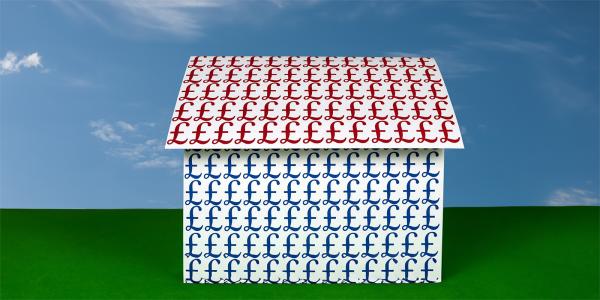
313, 216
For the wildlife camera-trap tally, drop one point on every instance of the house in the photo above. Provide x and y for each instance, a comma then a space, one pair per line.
312, 169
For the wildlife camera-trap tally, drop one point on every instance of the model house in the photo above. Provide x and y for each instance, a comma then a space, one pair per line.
312, 169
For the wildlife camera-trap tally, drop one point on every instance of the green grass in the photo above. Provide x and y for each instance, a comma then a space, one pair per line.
527, 252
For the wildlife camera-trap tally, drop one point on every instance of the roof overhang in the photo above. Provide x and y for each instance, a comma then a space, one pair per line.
233, 102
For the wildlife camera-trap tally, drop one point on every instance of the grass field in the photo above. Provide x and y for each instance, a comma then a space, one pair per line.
526, 252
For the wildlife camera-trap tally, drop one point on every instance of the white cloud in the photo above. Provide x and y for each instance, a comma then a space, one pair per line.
11, 63
572, 197
78, 9
178, 17
158, 162
181, 18
574, 60
148, 154
138, 150
486, 11
105, 131
125, 126
566, 95
564, 34
130, 151
171, 16
33, 60
539, 4
133, 144
452, 63
517, 46
455, 32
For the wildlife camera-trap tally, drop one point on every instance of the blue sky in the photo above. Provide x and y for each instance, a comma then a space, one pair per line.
87, 90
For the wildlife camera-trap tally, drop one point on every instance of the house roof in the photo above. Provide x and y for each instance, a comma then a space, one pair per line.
312, 102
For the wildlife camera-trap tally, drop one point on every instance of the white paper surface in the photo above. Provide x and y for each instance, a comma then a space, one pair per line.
313, 216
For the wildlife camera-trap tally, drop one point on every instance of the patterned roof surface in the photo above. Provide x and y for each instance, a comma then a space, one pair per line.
312, 102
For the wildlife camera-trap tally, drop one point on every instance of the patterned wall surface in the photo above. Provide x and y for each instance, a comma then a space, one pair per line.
313, 216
